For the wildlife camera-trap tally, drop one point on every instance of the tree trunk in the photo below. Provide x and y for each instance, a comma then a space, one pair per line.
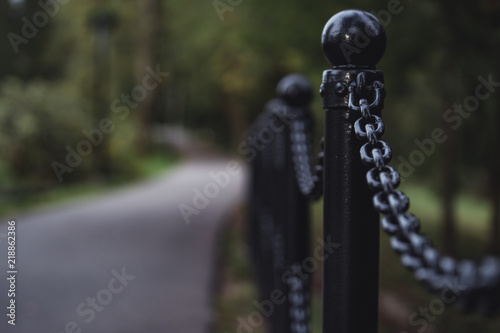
494, 184
237, 119
495, 216
449, 229
147, 56
102, 24
449, 85
449, 172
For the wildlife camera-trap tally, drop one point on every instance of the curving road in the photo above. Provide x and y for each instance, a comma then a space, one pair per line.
126, 261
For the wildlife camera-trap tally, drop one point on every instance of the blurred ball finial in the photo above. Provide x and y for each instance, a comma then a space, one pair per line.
353, 37
295, 90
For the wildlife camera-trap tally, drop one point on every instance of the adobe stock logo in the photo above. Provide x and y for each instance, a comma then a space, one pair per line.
93, 305
454, 117
264, 136
202, 197
294, 277
425, 315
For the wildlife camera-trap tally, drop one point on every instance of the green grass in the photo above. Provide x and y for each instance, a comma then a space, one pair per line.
156, 164
472, 226
472, 213
146, 167
236, 288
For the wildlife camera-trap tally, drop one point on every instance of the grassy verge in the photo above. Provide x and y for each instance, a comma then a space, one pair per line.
146, 167
238, 287
236, 290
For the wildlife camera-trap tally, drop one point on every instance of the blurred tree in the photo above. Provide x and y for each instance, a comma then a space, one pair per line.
23, 43
450, 90
223, 71
102, 23
35, 133
150, 14
474, 27
483, 29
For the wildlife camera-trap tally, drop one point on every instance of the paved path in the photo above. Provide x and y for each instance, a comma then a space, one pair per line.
123, 262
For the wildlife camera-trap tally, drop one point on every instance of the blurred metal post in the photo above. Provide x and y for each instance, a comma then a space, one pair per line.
293, 227
280, 212
262, 201
353, 42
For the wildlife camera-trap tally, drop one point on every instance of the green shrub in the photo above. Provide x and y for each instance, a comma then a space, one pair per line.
38, 120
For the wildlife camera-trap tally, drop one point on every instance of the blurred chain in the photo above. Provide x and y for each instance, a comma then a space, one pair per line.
309, 179
476, 284
299, 299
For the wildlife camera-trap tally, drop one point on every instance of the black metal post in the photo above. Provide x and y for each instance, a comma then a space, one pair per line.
353, 42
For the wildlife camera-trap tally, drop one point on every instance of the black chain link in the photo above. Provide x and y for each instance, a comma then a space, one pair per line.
309, 179
477, 284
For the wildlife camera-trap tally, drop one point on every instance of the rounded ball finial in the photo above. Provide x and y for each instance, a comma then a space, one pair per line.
353, 37
295, 90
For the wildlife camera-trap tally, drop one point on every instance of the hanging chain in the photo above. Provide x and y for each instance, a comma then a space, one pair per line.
309, 180
476, 284
299, 298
